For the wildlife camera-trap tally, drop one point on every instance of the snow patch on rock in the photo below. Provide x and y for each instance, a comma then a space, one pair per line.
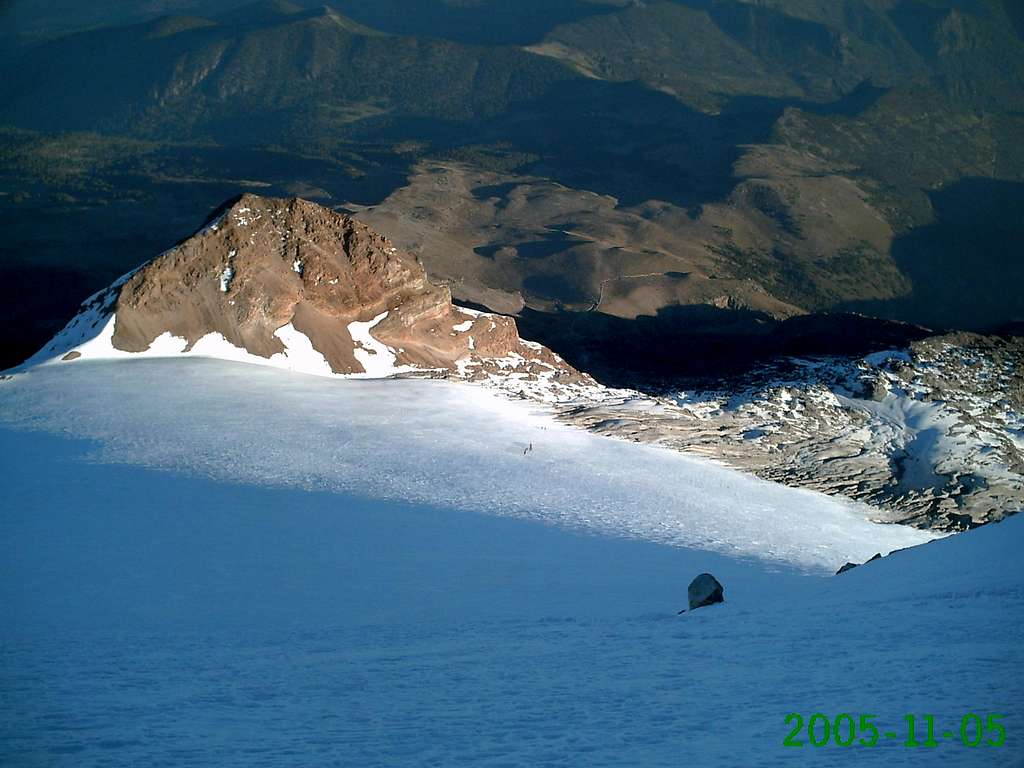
377, 359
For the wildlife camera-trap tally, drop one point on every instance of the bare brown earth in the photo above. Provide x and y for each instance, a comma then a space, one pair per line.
782, 244
267, 262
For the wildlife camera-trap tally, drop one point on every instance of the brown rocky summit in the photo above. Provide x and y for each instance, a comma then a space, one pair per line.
266, 263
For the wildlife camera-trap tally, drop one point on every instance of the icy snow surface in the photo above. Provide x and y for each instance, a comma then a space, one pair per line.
240, 601
433, 442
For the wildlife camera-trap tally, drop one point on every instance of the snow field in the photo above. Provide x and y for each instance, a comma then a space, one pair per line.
435, 443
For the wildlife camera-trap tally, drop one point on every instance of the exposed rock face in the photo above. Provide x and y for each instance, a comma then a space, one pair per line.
705, 590
304, 287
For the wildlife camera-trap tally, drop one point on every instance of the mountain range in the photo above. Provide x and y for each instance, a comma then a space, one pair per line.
642, 175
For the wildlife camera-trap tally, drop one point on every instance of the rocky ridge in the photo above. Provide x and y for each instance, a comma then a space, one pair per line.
292, 284
931, 436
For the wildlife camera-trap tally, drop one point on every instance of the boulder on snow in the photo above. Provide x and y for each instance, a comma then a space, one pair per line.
705, 590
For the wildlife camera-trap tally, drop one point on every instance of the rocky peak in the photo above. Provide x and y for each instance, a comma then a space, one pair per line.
290, 283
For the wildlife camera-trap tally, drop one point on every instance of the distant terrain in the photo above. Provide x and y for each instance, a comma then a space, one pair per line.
629, 178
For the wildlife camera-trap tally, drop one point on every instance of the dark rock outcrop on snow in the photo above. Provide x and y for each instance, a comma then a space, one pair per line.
705, 590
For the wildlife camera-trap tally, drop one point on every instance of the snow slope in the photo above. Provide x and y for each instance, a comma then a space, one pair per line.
433, 442
271, 588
